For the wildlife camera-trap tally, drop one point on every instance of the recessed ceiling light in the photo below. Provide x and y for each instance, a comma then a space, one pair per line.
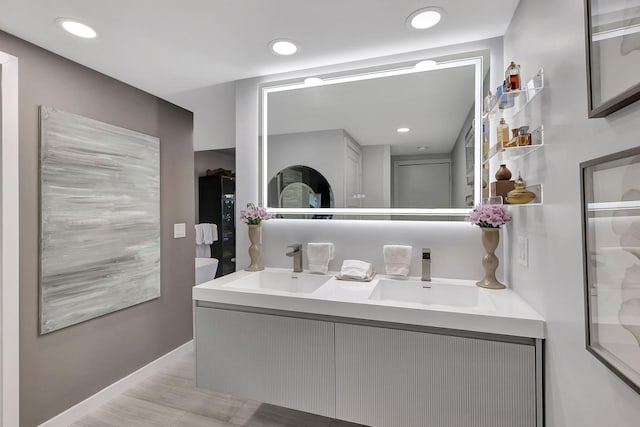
422, 148
424, 18
77, 28
427, 64
283, 47
312, 81
403, 130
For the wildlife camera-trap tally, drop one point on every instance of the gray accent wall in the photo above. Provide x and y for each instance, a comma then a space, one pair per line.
65, 367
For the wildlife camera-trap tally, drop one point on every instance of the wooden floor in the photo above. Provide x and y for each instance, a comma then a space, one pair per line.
169, 398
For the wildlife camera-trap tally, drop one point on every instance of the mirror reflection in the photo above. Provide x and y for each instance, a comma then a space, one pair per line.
395, 141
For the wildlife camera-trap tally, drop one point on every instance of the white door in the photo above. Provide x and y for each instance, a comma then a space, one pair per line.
9, 262
424, 184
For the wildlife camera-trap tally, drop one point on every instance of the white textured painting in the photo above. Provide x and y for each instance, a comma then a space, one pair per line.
100, 218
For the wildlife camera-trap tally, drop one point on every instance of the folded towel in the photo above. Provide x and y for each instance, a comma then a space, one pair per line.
397, 259
210, 232
199, 234
319, 255
355, 269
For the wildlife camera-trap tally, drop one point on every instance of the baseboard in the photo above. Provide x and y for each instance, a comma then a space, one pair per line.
91, 403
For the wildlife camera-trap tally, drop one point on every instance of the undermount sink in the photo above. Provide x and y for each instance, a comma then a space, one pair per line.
280, 281
438, 294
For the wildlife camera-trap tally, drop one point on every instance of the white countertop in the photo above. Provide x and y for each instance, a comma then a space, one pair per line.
501, 312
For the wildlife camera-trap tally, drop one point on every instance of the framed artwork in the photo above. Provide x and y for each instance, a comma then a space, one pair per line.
611, 237
613, 54
99, 218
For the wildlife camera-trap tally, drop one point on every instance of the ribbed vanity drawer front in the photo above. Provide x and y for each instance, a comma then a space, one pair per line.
388, 377
279, 360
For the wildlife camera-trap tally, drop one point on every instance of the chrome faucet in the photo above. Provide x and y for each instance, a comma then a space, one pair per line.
296, 253
426, 267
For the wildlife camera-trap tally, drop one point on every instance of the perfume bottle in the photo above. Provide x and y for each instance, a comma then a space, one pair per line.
524, 137
503, 133
512, 76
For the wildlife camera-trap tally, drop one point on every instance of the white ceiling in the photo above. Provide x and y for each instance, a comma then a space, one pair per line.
168, 47
433, 104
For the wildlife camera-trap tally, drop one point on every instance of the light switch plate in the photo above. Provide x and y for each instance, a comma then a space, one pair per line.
522, 251
179, 230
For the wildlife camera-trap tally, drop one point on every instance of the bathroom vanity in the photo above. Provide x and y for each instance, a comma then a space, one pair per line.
385, 353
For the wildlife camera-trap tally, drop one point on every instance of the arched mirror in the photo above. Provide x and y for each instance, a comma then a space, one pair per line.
300, 187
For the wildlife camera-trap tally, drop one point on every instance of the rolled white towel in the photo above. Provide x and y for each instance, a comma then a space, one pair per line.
199, 234
319, 255
356, 269
210, 233
397, 259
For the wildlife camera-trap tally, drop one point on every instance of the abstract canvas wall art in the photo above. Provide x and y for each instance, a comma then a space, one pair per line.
100, 218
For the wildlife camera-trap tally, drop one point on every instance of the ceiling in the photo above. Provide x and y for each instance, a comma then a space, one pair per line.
169, 47
371, 110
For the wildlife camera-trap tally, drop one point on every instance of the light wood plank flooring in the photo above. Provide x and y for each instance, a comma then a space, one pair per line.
170, 398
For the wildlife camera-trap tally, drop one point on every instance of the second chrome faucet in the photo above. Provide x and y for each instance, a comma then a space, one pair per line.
296, 254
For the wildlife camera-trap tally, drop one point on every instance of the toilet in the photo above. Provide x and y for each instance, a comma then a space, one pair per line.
205, 269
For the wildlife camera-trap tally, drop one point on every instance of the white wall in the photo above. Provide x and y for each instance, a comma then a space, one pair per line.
214, 117
320, 150
580, 391
247, 96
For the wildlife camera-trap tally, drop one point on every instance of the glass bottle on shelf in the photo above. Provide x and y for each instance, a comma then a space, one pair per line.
512, 76
503, 133
525, 137
488, 102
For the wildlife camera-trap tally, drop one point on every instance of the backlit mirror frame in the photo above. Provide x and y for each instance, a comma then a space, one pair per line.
476, 62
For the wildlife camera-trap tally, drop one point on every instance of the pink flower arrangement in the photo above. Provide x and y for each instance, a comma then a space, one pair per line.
253, 214
489, 216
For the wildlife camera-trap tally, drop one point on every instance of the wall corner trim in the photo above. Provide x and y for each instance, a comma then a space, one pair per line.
91, 403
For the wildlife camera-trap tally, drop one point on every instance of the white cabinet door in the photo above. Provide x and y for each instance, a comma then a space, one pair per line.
279, 360
390, 378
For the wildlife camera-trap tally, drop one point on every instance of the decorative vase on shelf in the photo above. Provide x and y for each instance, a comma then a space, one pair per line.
490, 262
520, 195
503, 174
254, 249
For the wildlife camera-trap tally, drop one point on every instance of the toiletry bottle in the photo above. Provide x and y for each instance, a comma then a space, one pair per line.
488, 102
524, 137
503, 133
512, 76
504, 100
